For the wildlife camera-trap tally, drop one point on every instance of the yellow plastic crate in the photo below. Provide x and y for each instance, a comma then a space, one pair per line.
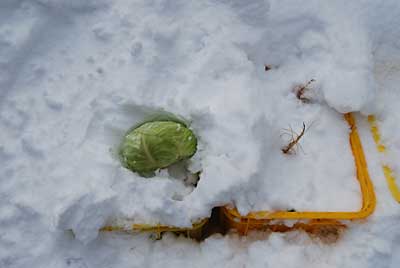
310, 221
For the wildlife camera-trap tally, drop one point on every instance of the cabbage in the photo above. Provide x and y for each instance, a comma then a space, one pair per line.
155, 145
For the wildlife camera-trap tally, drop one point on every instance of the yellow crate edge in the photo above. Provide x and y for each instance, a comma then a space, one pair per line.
387, 171
154, 228
366, 186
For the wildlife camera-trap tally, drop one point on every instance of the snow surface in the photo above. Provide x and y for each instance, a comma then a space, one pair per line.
75, 75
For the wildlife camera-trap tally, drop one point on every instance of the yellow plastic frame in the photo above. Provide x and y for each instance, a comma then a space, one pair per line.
387, 171
309, 220
195, 231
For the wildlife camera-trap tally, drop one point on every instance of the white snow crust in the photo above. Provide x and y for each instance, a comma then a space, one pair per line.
76, 75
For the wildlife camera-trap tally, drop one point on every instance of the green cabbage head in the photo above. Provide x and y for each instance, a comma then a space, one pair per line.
155, 145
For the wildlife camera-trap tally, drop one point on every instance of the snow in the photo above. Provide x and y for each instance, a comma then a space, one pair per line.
309, 179
76, 75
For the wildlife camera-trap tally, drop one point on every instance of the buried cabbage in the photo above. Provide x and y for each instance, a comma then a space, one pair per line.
155, 145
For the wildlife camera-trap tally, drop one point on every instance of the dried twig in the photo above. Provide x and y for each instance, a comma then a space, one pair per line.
288, 149
301, 90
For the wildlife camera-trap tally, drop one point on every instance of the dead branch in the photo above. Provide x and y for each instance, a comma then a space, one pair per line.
288, 149
301, 90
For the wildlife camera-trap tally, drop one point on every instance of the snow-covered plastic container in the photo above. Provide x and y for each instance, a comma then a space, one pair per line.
280, 221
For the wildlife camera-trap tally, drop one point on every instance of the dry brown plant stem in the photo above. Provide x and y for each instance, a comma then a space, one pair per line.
300, 91
294, 141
